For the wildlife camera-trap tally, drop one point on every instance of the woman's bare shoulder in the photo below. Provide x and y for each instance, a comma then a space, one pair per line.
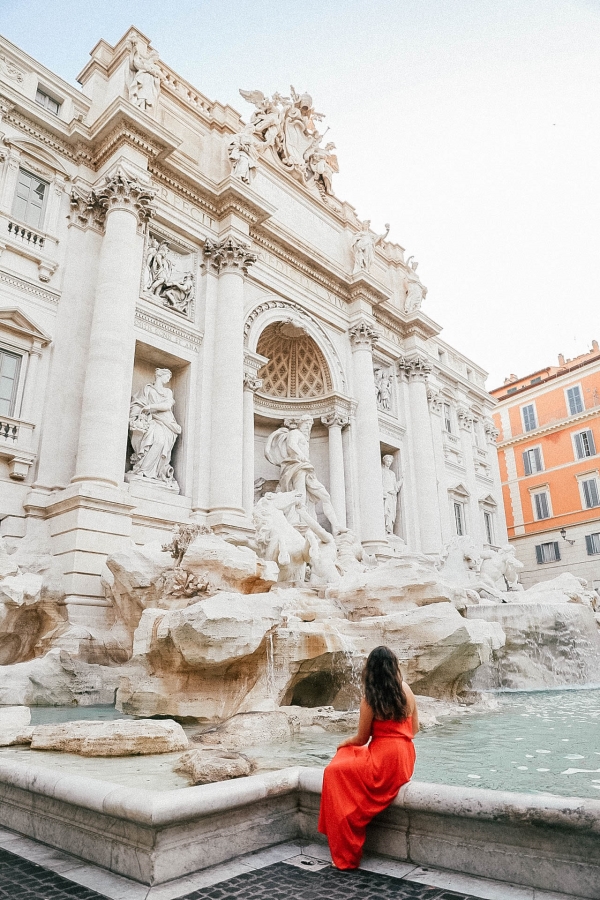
409, 694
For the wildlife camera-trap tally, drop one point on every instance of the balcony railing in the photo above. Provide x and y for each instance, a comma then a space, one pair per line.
9, 431
26, 234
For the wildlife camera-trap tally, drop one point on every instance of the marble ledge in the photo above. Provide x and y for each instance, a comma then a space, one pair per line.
160, 808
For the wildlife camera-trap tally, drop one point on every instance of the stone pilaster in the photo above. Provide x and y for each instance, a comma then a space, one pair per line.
251, 384
229, 259
465, 427
415, 368
492, 434
367, 447
335, 422
107, 390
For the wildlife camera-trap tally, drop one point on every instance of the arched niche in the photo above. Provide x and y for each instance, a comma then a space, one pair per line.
272, 310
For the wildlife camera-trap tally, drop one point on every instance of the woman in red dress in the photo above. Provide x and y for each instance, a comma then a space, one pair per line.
364, 777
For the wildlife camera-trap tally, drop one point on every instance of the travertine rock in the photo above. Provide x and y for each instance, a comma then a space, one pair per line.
14, 725
402, 583
244, 730
565, 588
56, 679
547, 645
116, 738
227, 567
208, 766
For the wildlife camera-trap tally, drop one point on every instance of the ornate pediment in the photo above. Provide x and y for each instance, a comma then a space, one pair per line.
14, 320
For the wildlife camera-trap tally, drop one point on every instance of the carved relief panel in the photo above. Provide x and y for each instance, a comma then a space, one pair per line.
384, 386
169, 273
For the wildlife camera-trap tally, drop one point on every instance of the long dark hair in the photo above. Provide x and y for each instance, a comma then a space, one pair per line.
383, 685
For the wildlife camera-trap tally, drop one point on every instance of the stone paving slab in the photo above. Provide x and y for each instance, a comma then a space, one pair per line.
21, 879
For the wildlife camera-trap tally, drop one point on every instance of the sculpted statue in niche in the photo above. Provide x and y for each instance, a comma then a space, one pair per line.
415, 291
287, 125
174, 289
383, 388
144, 79
289, 448
243, 153
391, 487
363, 246
153, 431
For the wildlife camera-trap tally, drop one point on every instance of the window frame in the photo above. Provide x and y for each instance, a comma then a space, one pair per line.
590, 543
39, 227
17, 391
574, 436
539, 553
47, 97
536, 448
447, 419
458, 509
582, 477
533, 492
572, 387
535, 417
488, 527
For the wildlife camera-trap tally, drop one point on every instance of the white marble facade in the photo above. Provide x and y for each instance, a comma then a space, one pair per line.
175, 286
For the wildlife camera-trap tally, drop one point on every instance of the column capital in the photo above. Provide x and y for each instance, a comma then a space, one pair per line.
335, 419
491, 432
251, 382
465, 418
121, 190
86, 210
363, 335
434, 399
229, 255
415, 367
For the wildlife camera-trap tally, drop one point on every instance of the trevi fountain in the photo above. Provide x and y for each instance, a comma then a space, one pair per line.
239, 457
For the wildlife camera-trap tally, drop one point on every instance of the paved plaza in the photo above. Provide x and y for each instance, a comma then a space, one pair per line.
298, 870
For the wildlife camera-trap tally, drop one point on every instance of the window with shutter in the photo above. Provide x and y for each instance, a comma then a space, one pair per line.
584, 444
542, 507
537, 456
529, 419
532, 460
575, 400
527, 462
545, 553
592, 543
591, 497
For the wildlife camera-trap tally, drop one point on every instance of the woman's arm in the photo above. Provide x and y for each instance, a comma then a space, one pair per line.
365, 720
412, 707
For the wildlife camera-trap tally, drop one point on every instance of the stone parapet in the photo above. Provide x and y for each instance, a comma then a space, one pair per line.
539, 841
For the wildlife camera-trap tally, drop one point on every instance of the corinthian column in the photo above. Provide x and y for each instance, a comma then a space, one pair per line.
230, 259
337, 481
370, 490
415, 369
107, 388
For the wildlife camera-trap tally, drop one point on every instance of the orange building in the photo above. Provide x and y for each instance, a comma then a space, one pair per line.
549, 456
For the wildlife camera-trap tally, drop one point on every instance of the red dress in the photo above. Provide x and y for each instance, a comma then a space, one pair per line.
360, 782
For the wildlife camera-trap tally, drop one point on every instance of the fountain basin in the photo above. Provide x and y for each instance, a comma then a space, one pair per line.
152, 837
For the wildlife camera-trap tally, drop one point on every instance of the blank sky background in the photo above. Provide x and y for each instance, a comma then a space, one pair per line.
472, 126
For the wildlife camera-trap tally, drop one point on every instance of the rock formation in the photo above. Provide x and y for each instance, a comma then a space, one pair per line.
205, 630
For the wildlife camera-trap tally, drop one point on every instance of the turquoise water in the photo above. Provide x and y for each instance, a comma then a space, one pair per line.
546, 741
541, 742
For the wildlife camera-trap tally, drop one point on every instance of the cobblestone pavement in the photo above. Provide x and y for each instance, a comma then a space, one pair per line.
24, 880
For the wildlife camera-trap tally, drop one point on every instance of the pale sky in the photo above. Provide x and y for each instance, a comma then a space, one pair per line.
472, 126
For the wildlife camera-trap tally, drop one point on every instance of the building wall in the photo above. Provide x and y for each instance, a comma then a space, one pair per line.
562, 471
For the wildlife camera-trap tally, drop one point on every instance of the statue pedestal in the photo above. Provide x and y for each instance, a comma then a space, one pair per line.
150, 487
